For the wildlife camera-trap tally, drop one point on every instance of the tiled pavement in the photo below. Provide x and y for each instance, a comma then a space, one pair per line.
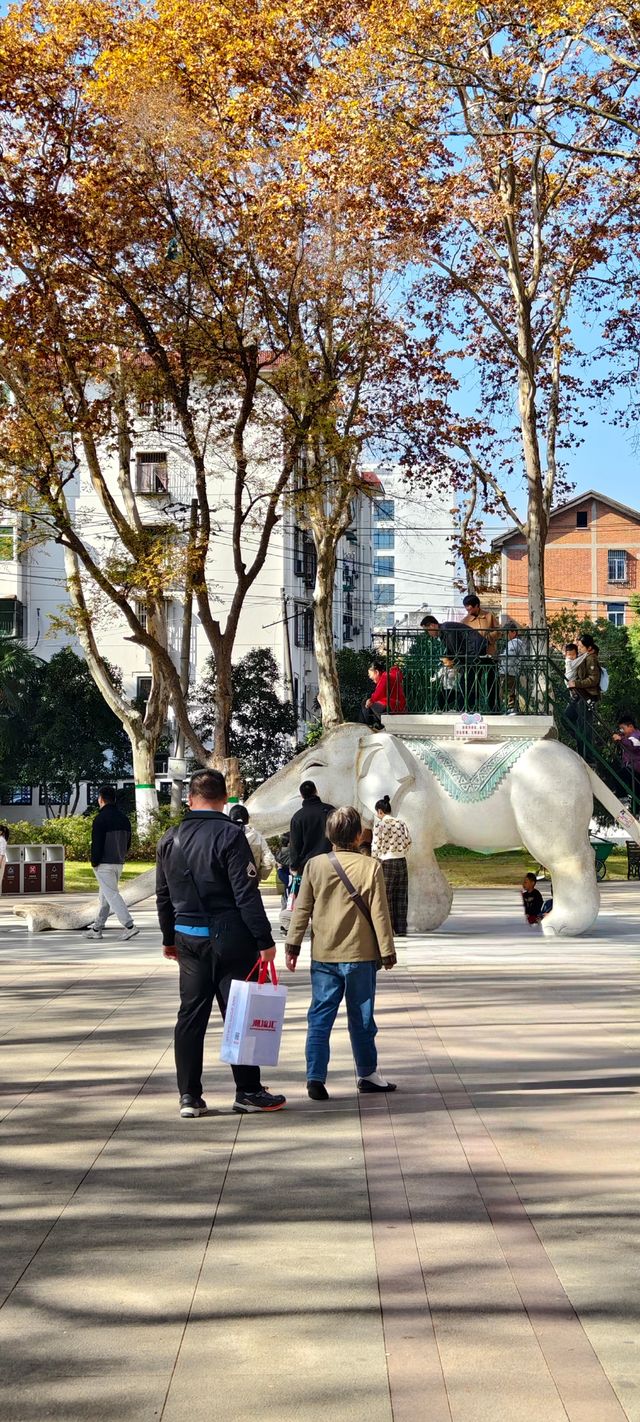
463, 1251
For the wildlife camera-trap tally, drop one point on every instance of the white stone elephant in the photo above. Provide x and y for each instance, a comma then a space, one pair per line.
485, 796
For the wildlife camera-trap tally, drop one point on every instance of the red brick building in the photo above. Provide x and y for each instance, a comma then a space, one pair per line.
591, 559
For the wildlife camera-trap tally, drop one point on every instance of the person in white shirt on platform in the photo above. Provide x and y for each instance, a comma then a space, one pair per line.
390, 841
4, 835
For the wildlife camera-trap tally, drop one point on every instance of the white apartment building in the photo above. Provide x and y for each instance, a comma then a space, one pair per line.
413, 568
278, 610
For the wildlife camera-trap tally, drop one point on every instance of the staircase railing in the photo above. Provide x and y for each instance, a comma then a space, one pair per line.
594, 742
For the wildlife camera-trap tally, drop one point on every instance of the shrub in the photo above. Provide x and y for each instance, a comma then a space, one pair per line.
144, 846
74, 832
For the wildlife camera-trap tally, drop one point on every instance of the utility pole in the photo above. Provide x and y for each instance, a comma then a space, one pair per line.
177, 781
288, 665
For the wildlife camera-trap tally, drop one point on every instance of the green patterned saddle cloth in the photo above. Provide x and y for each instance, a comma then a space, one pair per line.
483, 781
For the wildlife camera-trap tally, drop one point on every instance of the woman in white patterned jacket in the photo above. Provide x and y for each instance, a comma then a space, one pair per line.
391, 839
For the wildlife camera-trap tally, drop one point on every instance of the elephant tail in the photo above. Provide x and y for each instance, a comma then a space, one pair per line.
610, 802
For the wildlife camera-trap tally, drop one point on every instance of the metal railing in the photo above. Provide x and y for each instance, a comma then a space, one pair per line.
458, 670
592, 737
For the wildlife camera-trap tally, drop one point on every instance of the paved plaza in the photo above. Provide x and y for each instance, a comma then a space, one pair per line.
463, 1251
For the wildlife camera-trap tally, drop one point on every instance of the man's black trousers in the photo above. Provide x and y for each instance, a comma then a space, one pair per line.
207, 969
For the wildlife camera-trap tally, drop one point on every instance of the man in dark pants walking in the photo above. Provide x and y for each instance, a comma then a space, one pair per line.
214, 924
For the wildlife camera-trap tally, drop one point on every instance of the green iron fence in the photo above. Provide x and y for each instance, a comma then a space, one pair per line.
459, 670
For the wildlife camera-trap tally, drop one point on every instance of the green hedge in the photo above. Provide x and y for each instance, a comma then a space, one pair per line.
74, 832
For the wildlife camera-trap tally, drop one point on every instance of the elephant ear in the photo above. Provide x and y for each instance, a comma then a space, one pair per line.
383, 770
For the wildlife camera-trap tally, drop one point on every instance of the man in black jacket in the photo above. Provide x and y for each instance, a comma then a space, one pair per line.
214, 924
110, 841
307, 831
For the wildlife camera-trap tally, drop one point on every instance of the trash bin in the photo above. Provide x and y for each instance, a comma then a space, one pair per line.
53, 868
12, 880
33, 875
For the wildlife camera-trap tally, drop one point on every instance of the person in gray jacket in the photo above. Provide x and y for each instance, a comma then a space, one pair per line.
110, 842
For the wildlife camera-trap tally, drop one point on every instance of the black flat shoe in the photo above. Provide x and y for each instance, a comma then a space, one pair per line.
369, 1087
317, 1091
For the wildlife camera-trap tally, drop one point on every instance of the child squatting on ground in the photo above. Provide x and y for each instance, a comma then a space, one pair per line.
535, 907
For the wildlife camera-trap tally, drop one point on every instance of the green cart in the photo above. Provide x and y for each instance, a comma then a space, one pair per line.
602, 848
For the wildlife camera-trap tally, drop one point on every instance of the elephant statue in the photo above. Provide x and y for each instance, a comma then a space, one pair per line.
483, 796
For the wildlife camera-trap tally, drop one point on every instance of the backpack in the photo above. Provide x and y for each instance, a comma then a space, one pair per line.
604, 679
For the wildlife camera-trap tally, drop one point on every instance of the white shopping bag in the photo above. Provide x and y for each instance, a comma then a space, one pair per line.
253, 1021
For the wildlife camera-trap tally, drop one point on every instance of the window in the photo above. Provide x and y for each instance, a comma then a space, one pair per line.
158, 410
384, 509
298, 551
618, 565
582, 519
12, 620
143, 688
303, 626
6, 543
152, 474
92, 794
384, 567
615, 613
141, 614
309, 561
384, 594
383, 538
161, 765
55, 795
16, 795
300, 474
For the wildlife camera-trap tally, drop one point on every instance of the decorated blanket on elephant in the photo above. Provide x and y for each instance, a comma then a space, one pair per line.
460, 784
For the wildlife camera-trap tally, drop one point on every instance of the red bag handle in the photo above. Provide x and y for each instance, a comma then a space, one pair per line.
263, 972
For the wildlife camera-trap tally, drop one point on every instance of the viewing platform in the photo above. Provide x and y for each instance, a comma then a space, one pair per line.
499, 728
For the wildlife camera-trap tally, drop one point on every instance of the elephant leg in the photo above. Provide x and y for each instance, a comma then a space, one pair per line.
430, 894
571, 862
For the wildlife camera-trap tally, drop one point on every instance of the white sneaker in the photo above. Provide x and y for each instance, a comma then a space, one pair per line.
94, 935
130, 932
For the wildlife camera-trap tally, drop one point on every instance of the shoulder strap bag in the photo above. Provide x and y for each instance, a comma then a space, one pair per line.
354, 895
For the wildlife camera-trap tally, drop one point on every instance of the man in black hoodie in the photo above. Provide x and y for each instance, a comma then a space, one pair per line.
110, 841
307, 831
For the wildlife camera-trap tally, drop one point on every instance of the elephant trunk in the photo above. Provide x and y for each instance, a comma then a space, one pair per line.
269, 822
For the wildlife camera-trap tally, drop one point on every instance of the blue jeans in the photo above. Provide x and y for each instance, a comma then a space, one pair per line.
330, 982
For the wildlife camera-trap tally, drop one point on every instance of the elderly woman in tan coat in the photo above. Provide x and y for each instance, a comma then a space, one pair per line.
343, 894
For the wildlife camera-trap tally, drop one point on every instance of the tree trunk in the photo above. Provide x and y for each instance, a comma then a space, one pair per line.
325, 653
536, 517
145, 781
223, 703
177, 782
536, 546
